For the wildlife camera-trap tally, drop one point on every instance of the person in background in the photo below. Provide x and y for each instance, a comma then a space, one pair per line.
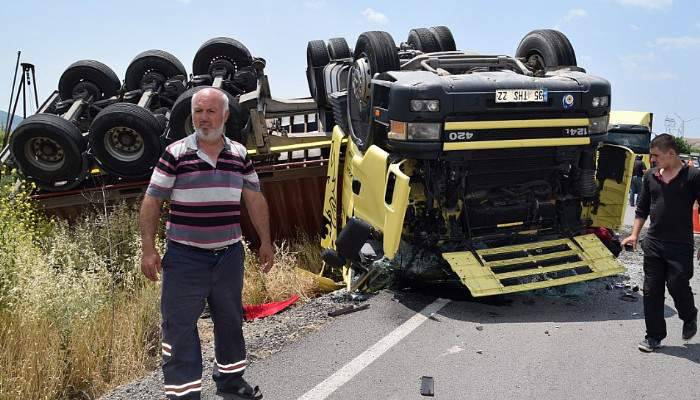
637, 174
668, 193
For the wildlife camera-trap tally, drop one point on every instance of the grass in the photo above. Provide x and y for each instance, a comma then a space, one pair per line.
77, 317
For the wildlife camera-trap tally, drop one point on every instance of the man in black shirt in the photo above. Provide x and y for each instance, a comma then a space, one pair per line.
668, 193
637, 174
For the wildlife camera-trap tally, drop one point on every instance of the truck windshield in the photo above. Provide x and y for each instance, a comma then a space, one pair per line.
636, 140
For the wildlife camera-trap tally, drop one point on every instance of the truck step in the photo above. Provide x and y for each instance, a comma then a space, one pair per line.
530, 266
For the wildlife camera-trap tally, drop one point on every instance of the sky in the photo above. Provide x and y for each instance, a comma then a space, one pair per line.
649, 50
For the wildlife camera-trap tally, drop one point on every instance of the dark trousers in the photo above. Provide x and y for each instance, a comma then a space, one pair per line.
667, 264
635, 189
192, 276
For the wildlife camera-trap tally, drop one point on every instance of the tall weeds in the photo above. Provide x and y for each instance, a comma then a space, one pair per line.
77, 317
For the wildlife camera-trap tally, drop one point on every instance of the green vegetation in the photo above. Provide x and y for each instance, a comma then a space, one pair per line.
77, 317
683, 145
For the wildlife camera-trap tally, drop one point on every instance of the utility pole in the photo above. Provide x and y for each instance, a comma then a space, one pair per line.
669, 124
683, 121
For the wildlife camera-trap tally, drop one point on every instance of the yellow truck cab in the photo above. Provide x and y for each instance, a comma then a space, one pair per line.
631, 129
488, 173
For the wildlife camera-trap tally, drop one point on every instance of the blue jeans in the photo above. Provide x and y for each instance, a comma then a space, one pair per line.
635, 189
192, 276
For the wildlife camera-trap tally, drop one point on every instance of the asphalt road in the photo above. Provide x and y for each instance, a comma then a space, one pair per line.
581, 344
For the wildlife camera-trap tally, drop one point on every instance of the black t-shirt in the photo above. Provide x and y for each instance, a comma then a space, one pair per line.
639, 167
670, 205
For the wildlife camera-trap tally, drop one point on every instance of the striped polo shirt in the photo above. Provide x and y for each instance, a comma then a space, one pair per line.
205, 198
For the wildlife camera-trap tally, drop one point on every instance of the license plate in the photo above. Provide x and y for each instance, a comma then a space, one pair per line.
521, 96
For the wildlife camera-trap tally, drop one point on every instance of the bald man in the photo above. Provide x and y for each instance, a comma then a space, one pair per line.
204, 176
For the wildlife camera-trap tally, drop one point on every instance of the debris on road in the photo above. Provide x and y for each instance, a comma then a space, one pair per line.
427, 386
356, 296
347, 310
479, 327
629, 297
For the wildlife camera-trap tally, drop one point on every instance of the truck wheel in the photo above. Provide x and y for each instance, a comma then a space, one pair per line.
423, 39
124, 139
48, 148
181, 117
221, 55
338, 48
546, 48
152, 67
88, 78
444, 37
375, 52
317, 57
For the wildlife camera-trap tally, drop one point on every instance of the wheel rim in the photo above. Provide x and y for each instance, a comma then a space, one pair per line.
124, 144
358, 99
225, 65
536, 61
44, 153
361, 79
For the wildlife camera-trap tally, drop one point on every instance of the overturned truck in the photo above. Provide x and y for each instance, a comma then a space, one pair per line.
97, 138
483, 171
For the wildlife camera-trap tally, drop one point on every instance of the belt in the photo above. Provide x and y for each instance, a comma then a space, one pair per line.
217, 250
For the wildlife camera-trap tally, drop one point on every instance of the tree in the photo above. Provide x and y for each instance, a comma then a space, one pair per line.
683, 145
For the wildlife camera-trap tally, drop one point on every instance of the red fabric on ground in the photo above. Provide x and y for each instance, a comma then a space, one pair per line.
254, 311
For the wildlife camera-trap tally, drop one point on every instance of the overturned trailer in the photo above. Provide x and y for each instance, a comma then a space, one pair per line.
96, 139
487, 172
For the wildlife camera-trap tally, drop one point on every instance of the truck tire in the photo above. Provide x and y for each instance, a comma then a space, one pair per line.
424, 40
338, 48
180, 125
221, 53
546, 48
444, 37
150, 66
317, 57
124, 139
88, 78
375, 52
48, 148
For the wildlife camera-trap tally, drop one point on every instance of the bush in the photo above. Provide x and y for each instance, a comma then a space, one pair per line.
683, 145
77, 317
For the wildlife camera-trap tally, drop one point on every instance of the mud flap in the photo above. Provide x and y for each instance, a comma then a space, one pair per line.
532, 266
614, 172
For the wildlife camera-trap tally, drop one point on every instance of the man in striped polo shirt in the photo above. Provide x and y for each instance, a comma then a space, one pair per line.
204, 176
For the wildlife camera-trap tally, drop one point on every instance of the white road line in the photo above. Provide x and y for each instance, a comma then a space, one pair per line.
349, 370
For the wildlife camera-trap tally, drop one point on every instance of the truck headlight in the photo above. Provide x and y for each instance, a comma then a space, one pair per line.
602, 101
423, 131
397, 130
598, 125
418, 131
425, 105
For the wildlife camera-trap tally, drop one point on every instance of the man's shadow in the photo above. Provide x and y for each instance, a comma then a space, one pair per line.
689, 351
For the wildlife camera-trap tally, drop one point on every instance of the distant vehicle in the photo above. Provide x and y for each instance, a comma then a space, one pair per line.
631, 129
